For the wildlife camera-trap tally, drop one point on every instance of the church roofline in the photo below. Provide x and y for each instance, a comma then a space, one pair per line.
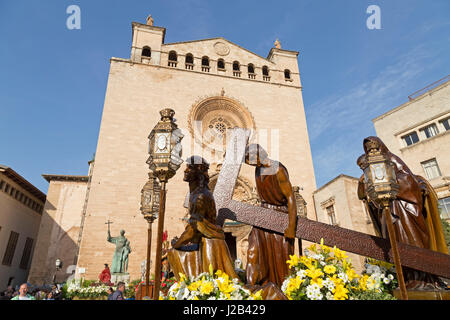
62, 177
334, 180
17, 178
272, 50
221, 38
133, 24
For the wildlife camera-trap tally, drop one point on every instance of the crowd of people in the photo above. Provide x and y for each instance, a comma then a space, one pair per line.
23, 292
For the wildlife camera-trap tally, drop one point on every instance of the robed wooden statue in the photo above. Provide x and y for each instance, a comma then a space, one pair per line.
415, 215
268, 251
203, 242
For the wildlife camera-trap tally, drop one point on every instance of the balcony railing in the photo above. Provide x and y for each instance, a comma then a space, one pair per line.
172, 63
189, 66
205, 68
236, 73
252, 75
266, 78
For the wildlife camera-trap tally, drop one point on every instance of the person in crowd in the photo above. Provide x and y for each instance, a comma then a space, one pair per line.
119, 294
110, 293
23, 293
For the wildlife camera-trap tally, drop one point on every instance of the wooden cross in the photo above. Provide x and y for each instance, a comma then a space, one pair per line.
310, 230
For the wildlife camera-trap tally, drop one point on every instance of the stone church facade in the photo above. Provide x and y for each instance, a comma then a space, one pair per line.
213, 85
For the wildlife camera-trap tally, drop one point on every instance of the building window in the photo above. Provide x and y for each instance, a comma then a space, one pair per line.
265, 72
236, 69
251, 71
1, 184
430, 131
331, 215
7, 188
446, 124
431, 169
205, 64
189, 61
444, 208
411, 138
146, 52
10, 248
287, 74
221, 64
173, 58
26, 254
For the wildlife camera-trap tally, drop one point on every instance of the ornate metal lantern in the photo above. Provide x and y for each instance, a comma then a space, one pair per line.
379, 176
150, 198
165, 147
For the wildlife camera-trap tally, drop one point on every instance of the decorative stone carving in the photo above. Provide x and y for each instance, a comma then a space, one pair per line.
221, 48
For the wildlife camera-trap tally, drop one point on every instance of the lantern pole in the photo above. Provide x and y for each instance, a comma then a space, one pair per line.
162, 209
382, 187
396, 256
165, 151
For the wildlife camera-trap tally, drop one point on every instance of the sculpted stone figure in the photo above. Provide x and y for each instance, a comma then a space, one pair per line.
120, 258
268, 251
203, 242
415, 214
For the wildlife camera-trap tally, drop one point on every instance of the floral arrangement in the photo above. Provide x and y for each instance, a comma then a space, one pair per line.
379, 280
326, 273
209, 286
91, 290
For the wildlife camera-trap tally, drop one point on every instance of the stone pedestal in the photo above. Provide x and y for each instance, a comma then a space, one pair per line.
117, 277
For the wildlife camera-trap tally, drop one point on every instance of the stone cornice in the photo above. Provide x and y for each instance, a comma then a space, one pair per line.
21, 181
60, 177
203, 73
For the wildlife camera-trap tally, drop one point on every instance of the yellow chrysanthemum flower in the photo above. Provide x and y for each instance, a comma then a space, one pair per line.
351, 274
257, 295
339, 254
330, 269
207, 287
194, 285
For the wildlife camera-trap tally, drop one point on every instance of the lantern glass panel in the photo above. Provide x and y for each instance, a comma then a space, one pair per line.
379, 174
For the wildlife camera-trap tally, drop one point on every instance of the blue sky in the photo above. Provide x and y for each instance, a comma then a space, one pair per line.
53, 80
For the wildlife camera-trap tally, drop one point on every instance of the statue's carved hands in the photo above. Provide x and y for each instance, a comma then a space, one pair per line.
289, 233
174, 240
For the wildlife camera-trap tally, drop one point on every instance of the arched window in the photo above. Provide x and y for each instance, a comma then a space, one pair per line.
189, 62
265, 72
236, 69
221, 64
205, 64
172, 59
190, 58
251, 71
287, 74
173, 56
146, 52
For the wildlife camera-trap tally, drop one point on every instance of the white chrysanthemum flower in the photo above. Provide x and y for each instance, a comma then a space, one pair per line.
301, 274
329, 296
343, 277
390, 277
285, 284
386, 280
